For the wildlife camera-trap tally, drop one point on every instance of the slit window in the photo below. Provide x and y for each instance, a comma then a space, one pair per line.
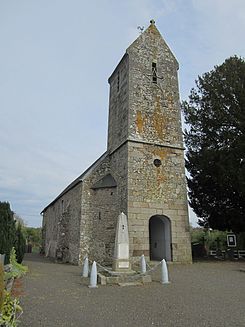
154, 72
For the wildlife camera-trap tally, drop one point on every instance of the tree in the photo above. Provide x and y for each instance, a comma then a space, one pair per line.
20, 243
11, 234
33, 235
19, 220
7, 229
215, 141
2, 286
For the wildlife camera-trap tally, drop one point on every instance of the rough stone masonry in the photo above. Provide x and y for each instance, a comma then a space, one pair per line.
140, 174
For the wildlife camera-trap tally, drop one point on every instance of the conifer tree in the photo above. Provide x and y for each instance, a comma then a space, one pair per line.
7, 229
20, 243
215, 141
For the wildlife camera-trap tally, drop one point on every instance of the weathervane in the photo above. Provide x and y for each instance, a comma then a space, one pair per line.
141, 29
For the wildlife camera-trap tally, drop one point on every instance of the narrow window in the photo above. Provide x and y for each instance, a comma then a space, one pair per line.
154, 72
118, 81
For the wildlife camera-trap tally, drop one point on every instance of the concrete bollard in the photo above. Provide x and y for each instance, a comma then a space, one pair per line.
93, 276
142, 264
85, 267
164, 272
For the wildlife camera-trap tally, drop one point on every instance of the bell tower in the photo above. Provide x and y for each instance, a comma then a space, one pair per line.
144, 119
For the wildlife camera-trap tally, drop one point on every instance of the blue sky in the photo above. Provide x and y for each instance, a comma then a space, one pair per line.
55, 59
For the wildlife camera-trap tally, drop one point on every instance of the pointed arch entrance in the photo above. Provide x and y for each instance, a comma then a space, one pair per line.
160, 238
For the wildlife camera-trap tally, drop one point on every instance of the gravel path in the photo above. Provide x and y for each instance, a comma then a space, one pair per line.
202, 294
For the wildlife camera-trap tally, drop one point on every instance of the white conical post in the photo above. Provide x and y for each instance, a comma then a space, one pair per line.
164, 272
93, 276
142, 264
85, 267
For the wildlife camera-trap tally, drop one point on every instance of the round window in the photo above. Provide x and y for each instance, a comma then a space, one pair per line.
157, 162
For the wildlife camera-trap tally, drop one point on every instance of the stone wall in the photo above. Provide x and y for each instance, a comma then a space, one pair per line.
155, 133
101, 207
83, 220
61, 224
118, 106
90, 210
157, 191
50, 231
154, 114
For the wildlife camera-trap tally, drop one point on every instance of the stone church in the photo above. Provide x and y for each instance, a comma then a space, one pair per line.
141, 173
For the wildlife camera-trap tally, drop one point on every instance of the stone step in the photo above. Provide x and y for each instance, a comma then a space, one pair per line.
130, 284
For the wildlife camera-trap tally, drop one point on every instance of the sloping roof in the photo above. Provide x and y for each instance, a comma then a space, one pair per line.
123, 57
78, 180
104, 182
151, 28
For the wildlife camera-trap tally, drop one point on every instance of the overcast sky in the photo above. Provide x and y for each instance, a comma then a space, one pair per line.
55, 59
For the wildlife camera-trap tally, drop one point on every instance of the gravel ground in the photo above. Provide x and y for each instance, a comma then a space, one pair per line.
201, 294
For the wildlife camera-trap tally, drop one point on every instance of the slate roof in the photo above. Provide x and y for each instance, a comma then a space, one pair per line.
79, 179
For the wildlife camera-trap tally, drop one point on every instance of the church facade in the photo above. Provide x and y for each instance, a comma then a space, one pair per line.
141, 173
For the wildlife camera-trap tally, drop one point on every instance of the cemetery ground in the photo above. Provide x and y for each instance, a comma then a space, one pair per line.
201, 294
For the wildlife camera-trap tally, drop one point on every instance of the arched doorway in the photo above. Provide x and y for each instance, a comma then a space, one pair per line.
160, 238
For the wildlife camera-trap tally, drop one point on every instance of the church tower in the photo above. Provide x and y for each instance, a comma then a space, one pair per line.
141, 173
146, 149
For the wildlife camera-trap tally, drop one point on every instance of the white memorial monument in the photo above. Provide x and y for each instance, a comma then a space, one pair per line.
121, 272
121, 261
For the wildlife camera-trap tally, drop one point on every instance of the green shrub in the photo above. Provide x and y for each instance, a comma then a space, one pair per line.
1, 286
10, 311
33, 235
20, 244
213, 239
7, 229
18, 269
197, 235
216, 240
